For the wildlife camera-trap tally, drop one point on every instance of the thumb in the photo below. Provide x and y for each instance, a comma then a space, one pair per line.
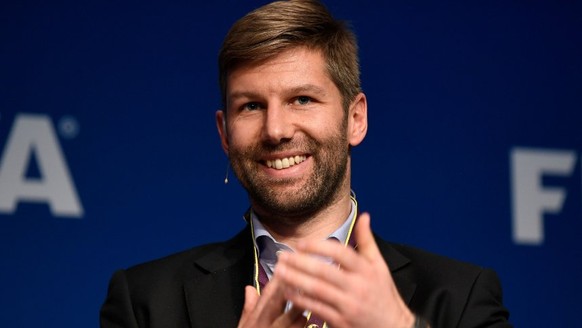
363, 233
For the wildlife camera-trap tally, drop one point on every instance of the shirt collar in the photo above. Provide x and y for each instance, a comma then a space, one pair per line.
268, 247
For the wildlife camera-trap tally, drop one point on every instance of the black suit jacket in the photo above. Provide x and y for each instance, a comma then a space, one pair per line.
204, 287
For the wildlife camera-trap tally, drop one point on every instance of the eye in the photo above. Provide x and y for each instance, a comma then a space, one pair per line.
303, 100
251, 106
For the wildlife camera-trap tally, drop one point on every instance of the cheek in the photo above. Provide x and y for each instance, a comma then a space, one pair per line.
325, 127
241, 135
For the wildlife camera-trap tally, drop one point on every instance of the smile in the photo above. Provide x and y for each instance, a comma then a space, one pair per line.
283, 163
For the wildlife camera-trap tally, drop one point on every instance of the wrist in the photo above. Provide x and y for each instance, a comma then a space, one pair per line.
406, 320
419, 322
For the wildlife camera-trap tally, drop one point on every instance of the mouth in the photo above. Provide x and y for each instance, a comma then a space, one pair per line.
285, 162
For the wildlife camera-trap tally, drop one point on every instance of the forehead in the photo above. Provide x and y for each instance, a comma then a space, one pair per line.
292, 69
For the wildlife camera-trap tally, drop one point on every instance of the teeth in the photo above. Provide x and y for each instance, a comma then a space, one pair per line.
283, 163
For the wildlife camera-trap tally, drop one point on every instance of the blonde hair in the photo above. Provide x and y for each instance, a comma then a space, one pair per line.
282, 25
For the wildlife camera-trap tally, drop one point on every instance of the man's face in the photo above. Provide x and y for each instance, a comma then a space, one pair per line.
286, 134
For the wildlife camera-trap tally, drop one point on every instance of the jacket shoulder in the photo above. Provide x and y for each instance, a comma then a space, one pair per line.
187, 264
437, 266
449, 292
164, 292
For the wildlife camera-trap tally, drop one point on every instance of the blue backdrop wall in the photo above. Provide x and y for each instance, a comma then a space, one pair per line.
109, 154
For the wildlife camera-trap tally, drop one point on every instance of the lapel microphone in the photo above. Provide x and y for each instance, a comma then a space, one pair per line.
225, 135
226, 176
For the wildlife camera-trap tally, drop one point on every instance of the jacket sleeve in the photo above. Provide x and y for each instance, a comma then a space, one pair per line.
484, 307
117, 311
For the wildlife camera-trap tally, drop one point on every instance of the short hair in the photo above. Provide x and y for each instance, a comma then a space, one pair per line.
282, 25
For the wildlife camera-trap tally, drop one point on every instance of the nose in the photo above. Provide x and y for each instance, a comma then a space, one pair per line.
278, 126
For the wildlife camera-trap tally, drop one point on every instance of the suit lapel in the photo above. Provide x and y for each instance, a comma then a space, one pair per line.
397, 263
215, 294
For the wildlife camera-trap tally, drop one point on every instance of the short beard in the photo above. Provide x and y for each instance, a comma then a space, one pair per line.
330, 160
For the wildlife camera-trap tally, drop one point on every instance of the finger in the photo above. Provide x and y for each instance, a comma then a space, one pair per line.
267, 308
339, 254
272, 301
292, 318
251, 298
330, 289
308, 277
366, 243
326, 311
307, 265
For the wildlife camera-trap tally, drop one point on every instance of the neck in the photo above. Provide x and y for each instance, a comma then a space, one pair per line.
317, 226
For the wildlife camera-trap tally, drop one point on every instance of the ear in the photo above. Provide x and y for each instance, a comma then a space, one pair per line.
358, 120
221, 126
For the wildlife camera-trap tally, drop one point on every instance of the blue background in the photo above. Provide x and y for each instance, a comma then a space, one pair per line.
452, 88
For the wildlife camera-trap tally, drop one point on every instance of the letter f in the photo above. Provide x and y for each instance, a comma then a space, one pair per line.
530, 199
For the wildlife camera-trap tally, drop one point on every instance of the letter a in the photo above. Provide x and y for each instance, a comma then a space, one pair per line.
35, 133
530, 199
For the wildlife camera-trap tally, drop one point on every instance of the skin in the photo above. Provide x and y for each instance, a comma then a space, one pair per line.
288, 106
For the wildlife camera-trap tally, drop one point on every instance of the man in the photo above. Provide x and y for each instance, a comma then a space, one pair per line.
293, 108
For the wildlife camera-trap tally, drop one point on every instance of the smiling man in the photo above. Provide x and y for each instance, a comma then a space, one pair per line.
288, 140
293, 108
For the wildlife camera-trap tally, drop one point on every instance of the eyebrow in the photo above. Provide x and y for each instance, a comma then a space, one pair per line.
308, 88
312, 88
241, 94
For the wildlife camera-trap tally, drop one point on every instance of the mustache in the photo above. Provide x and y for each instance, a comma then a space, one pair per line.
261, 149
